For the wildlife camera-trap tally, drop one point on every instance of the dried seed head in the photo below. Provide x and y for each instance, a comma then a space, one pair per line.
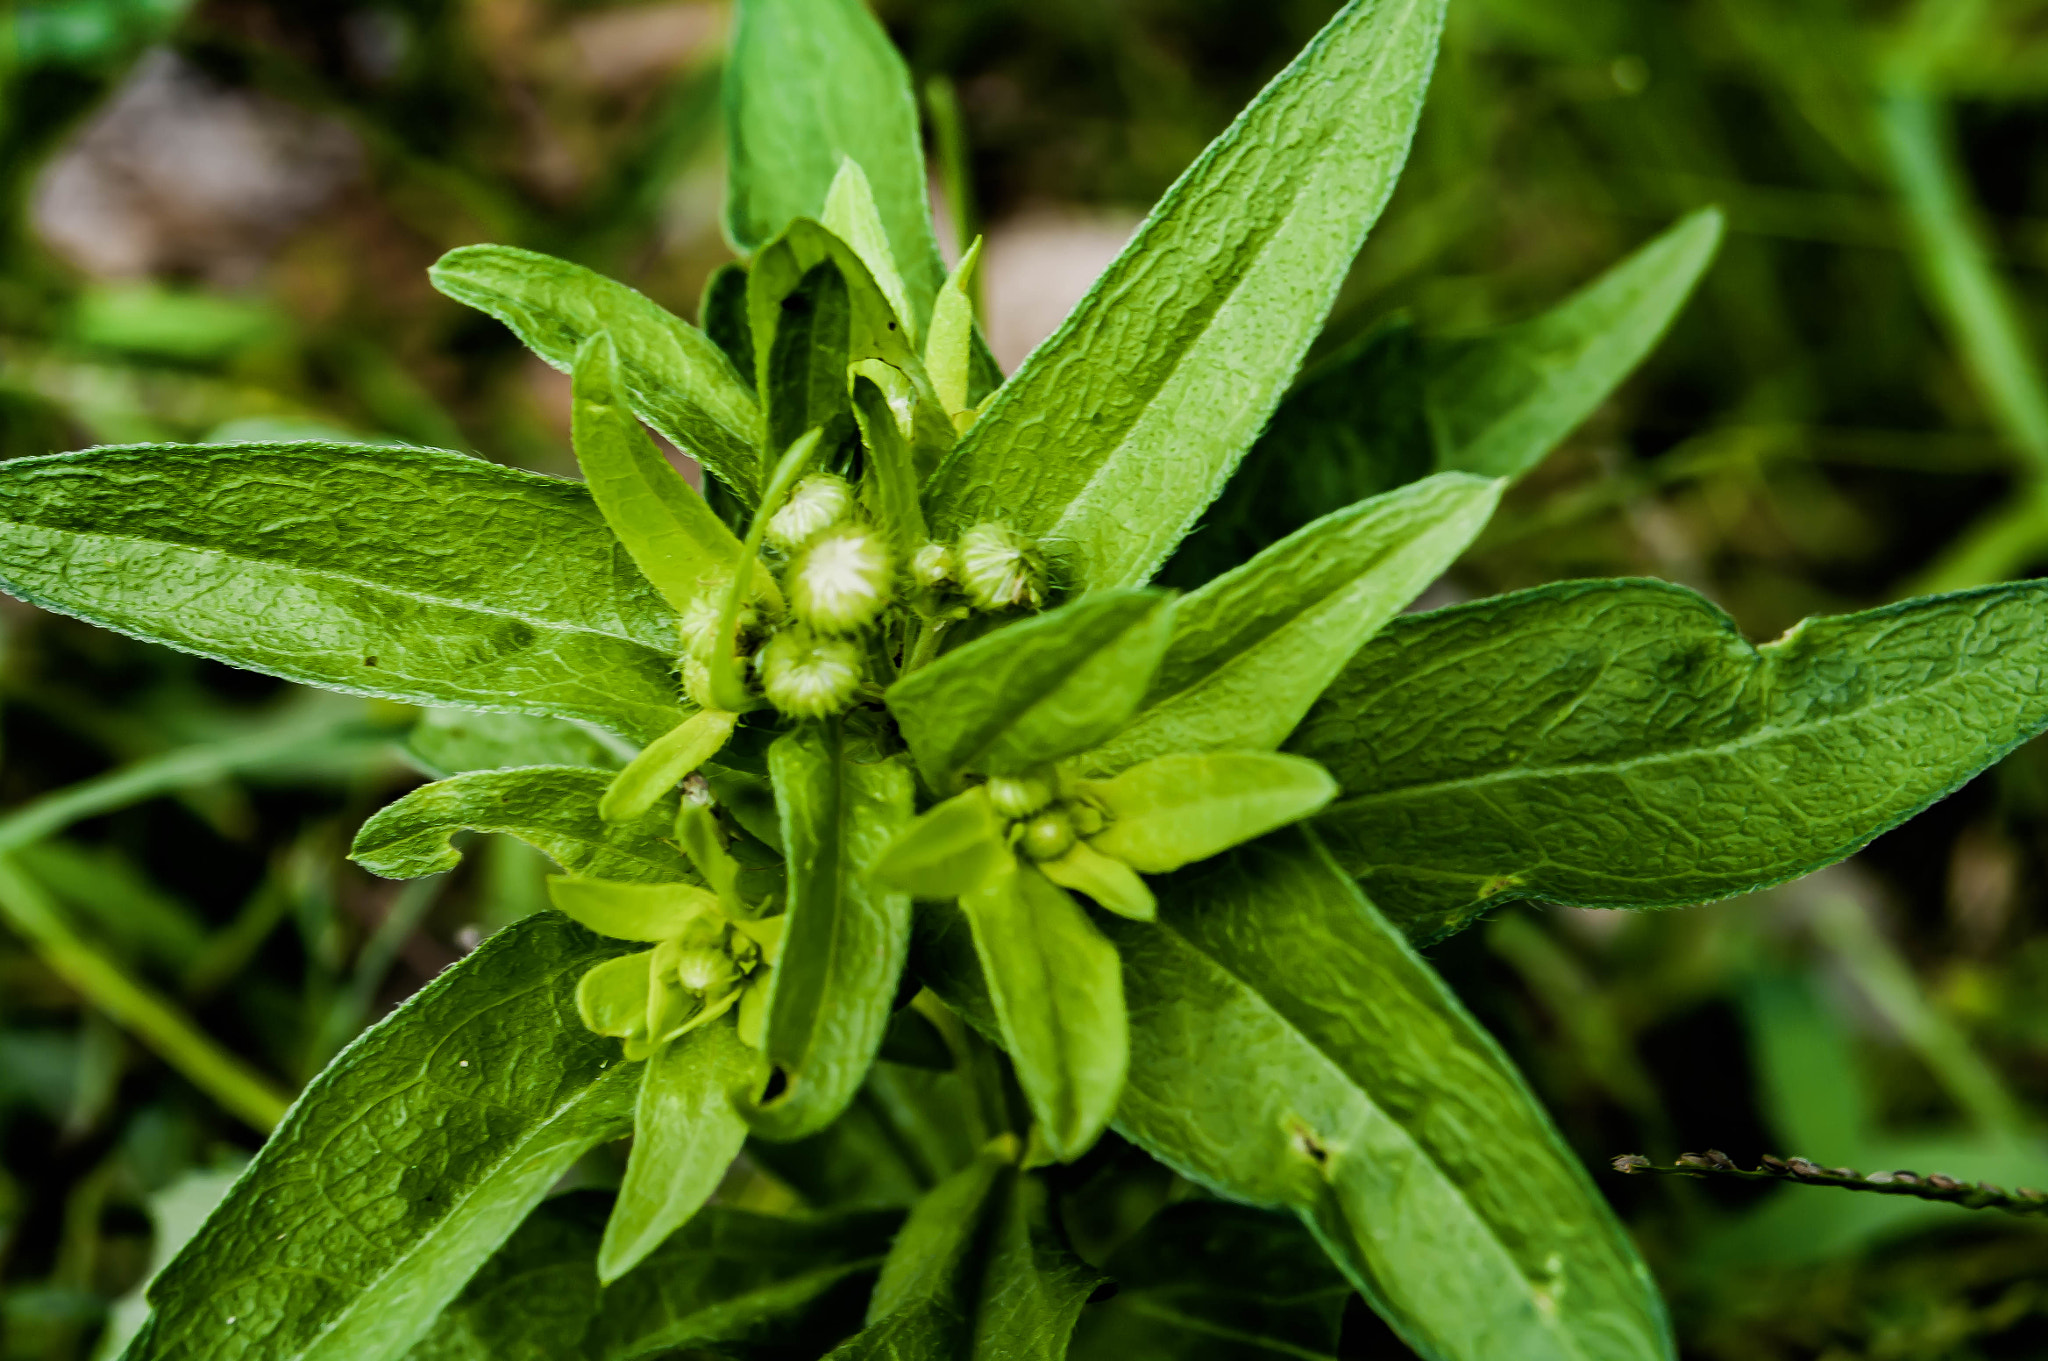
806, 676
1000, 568
1693, 1160
697, 790
1774, 1164
818, 502
1721, 1160
1630, 1162
932, 566
1943, 1183
1018, 796
841, 582
1804, 1167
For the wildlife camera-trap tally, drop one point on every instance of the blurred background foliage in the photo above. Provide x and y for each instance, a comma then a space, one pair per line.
217, 218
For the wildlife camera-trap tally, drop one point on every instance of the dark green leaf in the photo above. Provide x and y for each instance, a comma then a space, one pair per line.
722, 312
404, 1166
813, 82
410, 574
833, 987
1618, 743
1391, 406
1253, 649
453, 741
1288, 1048
687, 1129
1125, 424
726, 1277
676, 378
1033, 1285
552, 808
1058, 995
1209, 1281
1034, 691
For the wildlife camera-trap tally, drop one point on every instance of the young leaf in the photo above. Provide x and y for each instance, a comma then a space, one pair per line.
832, 989
1288, 1048
1392, 406
1113, 884
1124, 425
850, 215
687, 1129
1209, 1281
1252, 650
1058, 993
453, 741
551, 808
677, 541
663, 763
890, 482
629, 911
404, 1165
726, 1277
812, 84
1035, 691
949, 349
1619, 744
1174, 810
405, 573
675, 377
952, 849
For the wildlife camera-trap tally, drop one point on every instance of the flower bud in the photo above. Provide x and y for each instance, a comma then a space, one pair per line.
932, 566
708, 972
1048, 836
841, 582
697, 683
699, 624
818, 502
1018, 796
806, 676
1000, 568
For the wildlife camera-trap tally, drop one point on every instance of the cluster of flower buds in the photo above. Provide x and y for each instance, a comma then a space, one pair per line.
992, 565
839, 577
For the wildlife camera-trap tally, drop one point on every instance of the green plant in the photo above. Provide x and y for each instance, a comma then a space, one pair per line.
939, 744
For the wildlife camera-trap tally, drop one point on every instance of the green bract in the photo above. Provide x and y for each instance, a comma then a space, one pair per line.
913, 834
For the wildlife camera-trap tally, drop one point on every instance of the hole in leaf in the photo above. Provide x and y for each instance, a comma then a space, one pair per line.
778, 1083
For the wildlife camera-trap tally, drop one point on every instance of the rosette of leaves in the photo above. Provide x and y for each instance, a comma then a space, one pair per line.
912, 723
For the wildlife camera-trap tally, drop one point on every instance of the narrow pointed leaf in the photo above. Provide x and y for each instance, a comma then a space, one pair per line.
1174, 810
404, 1166
687, 1129
833, 988
726, 1277
677, 541
409, 574
663, 763
952, 849
1252, 650
850, 215
1619, 744
890, 483
722, 312
1058, 993
1289, 1049
629, 911
949, 349
1034, 691
1113, 884
1033, 1285
679, 381
551, 808
1118, 430
933, 1256
813, 83
1392, 406
454, 741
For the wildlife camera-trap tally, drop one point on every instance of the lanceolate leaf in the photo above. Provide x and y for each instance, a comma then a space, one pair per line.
551, 808
1289, 1049
679, 381
1393, 406
1252, 650
727, 1276
814, 82
1034, 691
1034, 1286
833, 987
450, 741
413, 574
1122, 427
1618, 743
673, 536
404, 1166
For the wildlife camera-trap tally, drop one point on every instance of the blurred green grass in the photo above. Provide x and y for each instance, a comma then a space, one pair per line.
1852, 408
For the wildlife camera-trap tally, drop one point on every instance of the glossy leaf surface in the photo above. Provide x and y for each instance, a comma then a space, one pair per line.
1119, 429
1394, 406
1035, 691
674, 375
1619, 744
833, 988
1252, 650
411, 574
1288, 1048
727, 1277
404, 1166
551, 808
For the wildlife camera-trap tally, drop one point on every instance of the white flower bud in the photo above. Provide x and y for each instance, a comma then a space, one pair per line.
699, 624
707, 972
1000, 568
818, 502
841, 582
806, 676
932, 566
